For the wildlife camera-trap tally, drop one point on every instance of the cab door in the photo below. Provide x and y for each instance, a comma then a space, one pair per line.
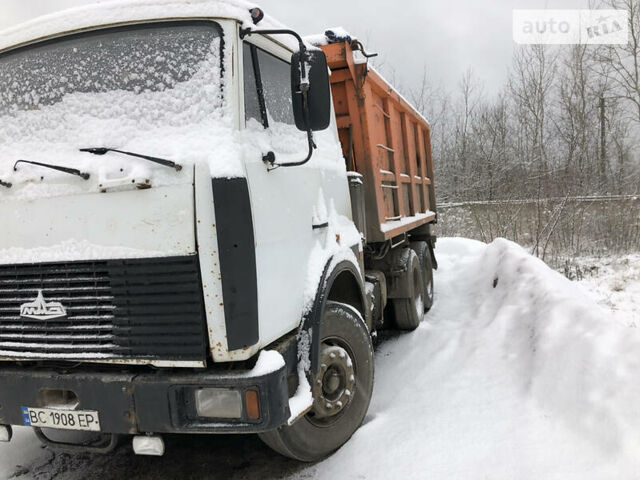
283, 200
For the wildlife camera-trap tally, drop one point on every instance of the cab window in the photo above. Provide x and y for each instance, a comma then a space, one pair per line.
267, 87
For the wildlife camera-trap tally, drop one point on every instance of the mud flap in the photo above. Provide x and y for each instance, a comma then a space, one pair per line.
432, 246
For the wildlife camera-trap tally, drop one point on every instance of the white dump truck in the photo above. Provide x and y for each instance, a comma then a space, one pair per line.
204, 220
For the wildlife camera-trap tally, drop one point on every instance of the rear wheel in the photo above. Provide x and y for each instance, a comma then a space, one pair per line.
341, 389
408, 312
426, 264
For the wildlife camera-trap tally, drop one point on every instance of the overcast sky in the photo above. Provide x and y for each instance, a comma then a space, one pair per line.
446, 36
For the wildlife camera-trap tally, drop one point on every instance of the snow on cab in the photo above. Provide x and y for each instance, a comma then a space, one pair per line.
197, 238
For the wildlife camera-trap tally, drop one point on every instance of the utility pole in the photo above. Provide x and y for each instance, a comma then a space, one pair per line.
603, 140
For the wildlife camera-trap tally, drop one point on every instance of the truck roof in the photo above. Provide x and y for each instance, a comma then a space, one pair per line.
123, 11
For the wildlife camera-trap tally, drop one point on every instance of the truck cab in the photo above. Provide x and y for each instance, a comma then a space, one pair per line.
179, 252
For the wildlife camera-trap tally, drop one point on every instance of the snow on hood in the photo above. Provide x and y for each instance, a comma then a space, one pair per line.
122, 11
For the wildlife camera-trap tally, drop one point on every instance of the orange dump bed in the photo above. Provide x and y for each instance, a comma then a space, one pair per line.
386, 141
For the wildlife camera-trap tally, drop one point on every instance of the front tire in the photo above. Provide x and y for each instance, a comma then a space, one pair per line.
341, 389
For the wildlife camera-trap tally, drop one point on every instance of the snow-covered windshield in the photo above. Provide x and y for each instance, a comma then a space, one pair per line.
154, 89
141, 59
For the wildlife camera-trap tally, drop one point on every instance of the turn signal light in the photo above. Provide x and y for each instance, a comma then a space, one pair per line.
253, 405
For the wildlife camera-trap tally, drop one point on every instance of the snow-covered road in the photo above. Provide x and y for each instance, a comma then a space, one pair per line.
516, 373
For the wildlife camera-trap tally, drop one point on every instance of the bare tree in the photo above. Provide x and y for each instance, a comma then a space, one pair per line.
623, 61
490, 134
531, 82
470, 94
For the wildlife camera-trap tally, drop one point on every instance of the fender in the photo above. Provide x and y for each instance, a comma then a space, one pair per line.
310, 327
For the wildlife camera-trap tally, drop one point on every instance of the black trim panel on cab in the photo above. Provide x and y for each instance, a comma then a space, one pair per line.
234, 226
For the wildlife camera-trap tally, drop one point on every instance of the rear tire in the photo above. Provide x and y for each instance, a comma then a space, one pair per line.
341, 390
426, 262
408, 312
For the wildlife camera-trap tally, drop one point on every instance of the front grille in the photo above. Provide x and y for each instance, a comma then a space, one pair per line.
116, 309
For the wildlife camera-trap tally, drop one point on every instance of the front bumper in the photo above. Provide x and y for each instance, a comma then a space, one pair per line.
158, 402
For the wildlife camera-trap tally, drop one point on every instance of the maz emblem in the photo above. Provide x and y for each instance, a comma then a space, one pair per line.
41, 310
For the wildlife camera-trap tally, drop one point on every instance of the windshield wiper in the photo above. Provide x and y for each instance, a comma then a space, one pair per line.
70, 171
5, 184
160, 161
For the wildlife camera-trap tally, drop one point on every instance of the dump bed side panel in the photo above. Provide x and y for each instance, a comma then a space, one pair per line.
388, 142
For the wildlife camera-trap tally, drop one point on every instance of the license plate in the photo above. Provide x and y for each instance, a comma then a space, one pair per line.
63, 419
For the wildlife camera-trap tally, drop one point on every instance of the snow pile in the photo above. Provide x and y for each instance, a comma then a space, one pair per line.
516, 373
569, 355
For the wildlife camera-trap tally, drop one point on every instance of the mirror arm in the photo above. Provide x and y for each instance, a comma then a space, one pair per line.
312, 144
270, 157
246, 32
312, 147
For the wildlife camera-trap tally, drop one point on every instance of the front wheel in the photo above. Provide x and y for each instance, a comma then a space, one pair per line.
341, 389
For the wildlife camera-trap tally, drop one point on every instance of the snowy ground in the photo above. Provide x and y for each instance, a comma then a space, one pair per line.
516, 373
615, 283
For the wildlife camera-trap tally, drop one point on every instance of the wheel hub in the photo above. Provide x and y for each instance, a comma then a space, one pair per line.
334, 384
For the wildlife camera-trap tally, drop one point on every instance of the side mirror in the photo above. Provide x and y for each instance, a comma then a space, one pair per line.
311, 95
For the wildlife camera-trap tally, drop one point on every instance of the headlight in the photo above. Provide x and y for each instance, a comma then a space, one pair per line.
218, 403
